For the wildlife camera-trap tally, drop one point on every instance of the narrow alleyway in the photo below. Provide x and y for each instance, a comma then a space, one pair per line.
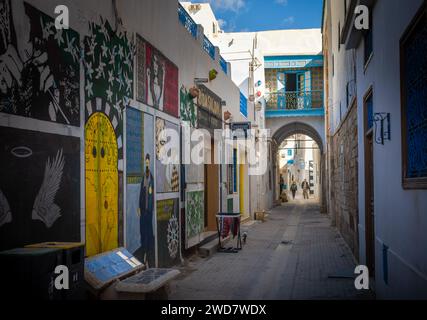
291, 256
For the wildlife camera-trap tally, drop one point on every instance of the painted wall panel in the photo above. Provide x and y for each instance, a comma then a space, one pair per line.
157, 79
195, 214
101, 185
108, 74
108, 62
188, 111
168, 232
167, 173
140, 185
40, 65
39, 188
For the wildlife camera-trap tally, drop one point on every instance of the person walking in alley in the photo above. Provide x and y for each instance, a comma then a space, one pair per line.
305, 189
294, 188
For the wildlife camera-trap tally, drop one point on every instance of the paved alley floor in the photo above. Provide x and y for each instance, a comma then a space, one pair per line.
295, 254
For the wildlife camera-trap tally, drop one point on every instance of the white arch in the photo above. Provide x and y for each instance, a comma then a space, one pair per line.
282, 128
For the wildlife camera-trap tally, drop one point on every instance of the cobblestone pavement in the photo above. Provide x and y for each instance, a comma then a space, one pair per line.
291, 256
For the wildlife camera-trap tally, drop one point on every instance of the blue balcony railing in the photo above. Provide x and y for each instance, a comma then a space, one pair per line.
223, 64
187, 21
295, 102
209, 47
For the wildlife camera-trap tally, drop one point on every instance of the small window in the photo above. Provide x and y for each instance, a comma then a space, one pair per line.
339, 34
230, 179
414, 102
232, 174
290, 152
333, 65
243, 105
369, 111
368, 41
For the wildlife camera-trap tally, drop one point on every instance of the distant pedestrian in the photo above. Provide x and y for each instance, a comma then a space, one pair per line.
305, 189
294, 188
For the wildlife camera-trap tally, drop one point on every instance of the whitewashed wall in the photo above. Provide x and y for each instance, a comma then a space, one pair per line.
400, 215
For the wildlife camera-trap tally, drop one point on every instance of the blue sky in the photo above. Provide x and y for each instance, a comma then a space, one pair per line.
259, 15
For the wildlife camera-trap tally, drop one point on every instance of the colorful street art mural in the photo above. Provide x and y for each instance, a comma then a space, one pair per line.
168, 232
187, 107
39, 188
140, 186
109, 74
157, 79
194, 213
108, 62
40, 65
101, 185
167, 169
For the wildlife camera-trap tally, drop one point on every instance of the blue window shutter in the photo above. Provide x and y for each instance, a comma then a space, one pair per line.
243, 105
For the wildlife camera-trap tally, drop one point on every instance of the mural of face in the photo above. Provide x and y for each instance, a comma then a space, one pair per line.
156, 73
160, 138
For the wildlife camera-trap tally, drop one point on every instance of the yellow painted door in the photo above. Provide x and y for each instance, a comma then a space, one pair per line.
101, 157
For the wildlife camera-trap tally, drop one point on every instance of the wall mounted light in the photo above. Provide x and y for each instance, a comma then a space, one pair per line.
382, 127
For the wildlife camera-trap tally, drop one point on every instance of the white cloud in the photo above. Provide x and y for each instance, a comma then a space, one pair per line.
288, 21
282, 2
227, 5
222, 23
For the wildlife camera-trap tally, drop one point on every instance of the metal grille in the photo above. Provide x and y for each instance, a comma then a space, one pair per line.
415, 81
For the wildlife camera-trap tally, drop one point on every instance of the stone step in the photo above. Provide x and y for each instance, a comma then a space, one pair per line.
211, 247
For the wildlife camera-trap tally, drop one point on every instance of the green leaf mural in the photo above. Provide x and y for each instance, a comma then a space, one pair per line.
187, 107
109, 66
195, 213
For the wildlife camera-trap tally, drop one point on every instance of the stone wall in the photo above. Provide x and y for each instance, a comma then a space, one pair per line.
344, 183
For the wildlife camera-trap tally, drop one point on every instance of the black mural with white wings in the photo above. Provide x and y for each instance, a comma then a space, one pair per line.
39, 188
